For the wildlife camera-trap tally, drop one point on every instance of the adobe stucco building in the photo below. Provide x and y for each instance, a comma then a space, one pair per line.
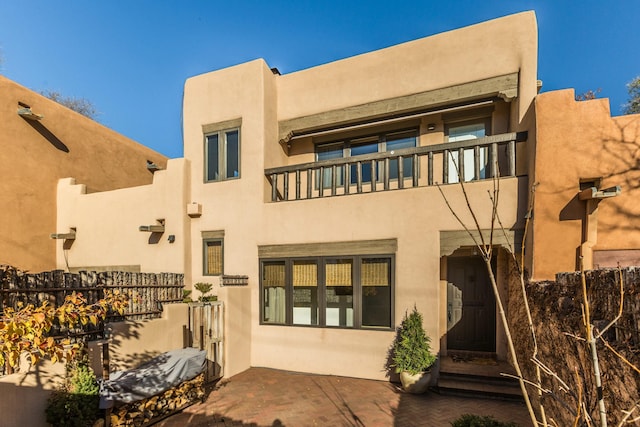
582, 154
320, 187
328, 188
37, 152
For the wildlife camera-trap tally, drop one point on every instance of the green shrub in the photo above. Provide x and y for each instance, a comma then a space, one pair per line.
468, 420
412, 349
77, 403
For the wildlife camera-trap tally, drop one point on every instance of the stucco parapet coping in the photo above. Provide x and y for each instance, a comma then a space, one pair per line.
361, 247
505, 87
452, 240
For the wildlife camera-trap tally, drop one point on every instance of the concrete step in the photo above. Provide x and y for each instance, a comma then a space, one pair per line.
491, 388
478, 375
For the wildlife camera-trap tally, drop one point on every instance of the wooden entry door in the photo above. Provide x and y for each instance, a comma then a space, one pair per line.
473, 328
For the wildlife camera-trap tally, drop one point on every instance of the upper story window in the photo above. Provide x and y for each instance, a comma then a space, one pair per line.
222, 155
464, 131
361, 146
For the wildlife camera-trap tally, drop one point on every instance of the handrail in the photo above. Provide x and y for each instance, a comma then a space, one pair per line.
313, 175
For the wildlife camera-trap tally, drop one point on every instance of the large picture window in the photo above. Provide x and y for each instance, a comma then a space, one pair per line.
345, 291
222, 155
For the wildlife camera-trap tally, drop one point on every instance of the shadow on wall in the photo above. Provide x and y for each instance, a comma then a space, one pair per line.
118, 358
133, 342
613, 156
48, 135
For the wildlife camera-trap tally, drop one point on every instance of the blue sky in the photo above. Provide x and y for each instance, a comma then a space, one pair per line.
131, 58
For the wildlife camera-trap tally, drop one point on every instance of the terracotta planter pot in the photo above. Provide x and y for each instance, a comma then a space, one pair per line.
416, 384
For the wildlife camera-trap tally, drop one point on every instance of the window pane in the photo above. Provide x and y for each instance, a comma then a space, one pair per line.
358, 150
274, 295
213, 255
339, 292
465, 133
213, 156
330, 152
397, 143
375, 278
305, 293
233, 154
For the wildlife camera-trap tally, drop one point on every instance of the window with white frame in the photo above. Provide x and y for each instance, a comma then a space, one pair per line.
222, 155
464, 131
341, 291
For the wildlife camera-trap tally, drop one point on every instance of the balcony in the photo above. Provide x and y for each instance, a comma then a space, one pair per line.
475, 159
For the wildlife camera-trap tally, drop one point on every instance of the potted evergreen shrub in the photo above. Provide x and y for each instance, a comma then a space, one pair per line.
412, 357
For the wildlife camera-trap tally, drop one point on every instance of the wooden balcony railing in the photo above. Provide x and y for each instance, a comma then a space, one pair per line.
475, 159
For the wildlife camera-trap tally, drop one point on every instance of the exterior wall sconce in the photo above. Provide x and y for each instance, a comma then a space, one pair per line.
431, 126
172, 238
25, 112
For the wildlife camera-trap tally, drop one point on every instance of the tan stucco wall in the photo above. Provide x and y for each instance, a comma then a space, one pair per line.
68, 144
414, 217
581, 140
492, 48
132, 342
235, 206
25, 394
107, 223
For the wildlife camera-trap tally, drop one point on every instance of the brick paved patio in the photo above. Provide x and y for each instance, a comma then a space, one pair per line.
262, 397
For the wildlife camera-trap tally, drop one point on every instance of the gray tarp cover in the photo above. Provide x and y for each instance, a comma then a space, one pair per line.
157, 375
